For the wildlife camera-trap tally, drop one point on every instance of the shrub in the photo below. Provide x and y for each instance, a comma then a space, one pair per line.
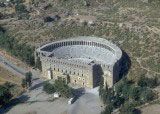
27, 81
63, 88
38, 64
102, 91
147, 82
48, 19
147, 95
58, 86
118, 101
128, 108
22, 51
21, 11
108, 110
5, 94
2, 30
28, 78
135, 93
49, 88
24, 83
128, 95
21, 8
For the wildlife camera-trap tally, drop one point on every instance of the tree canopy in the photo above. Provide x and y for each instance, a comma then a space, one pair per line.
59, 86
5, 93
127, 95
22, 51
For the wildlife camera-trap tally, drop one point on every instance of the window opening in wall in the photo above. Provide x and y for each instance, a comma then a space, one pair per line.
83, 83
58, 69
82, 74
75, 81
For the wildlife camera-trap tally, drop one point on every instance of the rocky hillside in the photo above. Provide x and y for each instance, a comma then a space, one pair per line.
132, 25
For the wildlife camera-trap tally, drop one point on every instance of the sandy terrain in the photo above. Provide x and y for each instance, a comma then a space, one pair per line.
152, 109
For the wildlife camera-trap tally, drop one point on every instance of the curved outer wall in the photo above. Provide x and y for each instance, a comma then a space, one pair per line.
85, 73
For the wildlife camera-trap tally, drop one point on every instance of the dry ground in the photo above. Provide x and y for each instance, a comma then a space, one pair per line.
7, 76
13, 59
152, 109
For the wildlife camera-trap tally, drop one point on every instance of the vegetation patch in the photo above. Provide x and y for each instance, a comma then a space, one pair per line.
127, 95
22, 51
8, 91
58, 86
27, 81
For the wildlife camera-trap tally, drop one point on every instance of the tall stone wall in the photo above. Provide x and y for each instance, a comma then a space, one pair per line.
79, 75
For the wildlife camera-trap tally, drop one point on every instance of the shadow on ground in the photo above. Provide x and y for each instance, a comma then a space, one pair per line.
125, 64
35, 79
12, 103
36, 86
21, 99
77, 93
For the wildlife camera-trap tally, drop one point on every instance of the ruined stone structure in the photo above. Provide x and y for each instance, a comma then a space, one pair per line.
81, 61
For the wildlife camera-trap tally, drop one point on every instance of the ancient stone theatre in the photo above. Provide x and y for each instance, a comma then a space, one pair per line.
81, 61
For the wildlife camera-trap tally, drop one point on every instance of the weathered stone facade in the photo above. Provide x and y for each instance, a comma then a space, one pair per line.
81, 61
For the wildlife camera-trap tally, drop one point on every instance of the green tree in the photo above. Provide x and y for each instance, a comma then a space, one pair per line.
128, 108
49, 88
2, 30
63, 88
59, 86
117, 101
101, 87
122, 86
28, 78
21, 11
38, 64
148, 82
24, 83
22, 51
142, 81
127, 95
20, 8
147, 95
135, 93
108, 110
5, 94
